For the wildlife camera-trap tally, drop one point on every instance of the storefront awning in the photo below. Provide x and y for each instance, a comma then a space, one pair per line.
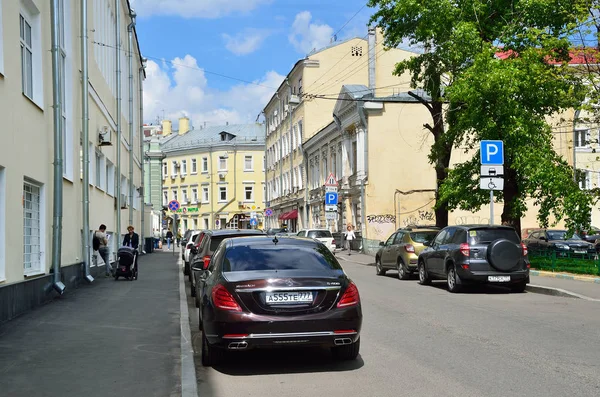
289, 215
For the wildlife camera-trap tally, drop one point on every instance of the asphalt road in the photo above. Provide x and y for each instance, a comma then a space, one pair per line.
424, 341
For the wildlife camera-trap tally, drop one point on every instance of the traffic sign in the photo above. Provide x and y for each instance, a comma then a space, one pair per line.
253, 215
268, 212
331, 198
330, 208
331, 216
253, 222
487, 183
495, 171
492, 152
331, 181
173, 205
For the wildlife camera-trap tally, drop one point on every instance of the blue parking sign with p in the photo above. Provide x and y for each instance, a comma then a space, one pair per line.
492, 152
331, 198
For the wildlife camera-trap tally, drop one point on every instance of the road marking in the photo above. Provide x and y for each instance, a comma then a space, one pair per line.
189, 385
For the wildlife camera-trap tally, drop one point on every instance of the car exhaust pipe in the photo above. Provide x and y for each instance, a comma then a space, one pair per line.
237, 345
342, 341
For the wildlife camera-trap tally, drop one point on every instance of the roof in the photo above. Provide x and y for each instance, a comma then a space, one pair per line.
577, 56
281, 241
244, 134
334, 44
228, 232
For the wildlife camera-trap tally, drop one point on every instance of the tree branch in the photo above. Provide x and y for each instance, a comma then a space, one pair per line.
421, 100
429, 127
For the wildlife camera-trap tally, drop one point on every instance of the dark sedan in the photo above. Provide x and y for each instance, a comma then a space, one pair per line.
273, 292
559, 241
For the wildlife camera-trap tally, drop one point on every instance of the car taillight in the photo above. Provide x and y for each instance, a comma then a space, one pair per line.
409, 248
350, 297
525, 250
333, 242
222, 299
465, 249
206, 260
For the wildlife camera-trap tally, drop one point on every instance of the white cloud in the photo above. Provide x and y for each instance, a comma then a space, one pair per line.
246, 42
307, 36
188, 93
195, 8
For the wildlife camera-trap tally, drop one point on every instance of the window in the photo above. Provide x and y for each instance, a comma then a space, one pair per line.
31, 52
249, 193
194, 167
110, 177
194, 195
183, 167
165, 197
195, 223
582, 138
264, 185
264, 162
222, 193
206, 223
136, 198
222, 163
354, 158
2, 221
185, 225
32, 228
165, 170
248, 166
173, 168
204, 164
65, 87
175, 195
184, 195
223, 223
104, 32
583, 179
205, 194
99, 169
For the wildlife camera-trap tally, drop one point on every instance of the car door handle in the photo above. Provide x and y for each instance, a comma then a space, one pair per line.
475, 249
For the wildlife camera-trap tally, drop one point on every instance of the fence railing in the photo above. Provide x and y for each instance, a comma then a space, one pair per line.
552, 260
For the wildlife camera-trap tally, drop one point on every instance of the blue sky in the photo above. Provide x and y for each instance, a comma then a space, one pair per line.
252, 40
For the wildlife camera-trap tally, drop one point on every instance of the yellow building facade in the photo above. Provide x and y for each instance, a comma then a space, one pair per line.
216, 174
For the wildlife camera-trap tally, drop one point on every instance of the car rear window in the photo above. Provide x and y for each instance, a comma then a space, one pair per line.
423, 237
272, 257
479, 236
319, 234
216, 240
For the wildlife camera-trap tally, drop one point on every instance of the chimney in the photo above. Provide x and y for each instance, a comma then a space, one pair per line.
184, 125
372, 58
227, 123
167, 127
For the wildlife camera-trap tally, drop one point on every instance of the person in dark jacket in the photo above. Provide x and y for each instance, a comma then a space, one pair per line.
131, 239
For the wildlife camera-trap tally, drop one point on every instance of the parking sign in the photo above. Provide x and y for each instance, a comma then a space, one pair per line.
492, 152
331, 198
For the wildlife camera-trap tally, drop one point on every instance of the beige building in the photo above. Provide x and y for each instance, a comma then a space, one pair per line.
216, 174
304, 104
27, 155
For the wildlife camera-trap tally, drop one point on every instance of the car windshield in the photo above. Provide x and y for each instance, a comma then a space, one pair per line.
479, 236
561, 235
283, 257
319, 234
423, 237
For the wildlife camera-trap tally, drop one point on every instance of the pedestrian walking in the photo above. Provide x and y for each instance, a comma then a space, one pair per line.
349, 236
169, 239
132, 239
178, 238
101, 240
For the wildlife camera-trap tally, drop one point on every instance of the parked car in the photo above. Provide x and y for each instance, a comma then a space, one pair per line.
196, 241
592, 235
401, 250
559, 241
184, 240
322, 235
475, 254
187, 249
210, 241
266, 292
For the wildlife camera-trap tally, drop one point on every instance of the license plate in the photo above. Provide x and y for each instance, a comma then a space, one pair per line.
274, 298
581, 252
499, 279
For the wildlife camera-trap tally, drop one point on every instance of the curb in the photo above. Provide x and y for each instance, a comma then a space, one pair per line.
541, 273
539, 289
189, 385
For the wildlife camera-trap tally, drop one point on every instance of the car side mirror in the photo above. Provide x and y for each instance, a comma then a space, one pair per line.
381, 243
194, 250
427, 244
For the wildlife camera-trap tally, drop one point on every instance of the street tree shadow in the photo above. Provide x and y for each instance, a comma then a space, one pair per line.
488, 289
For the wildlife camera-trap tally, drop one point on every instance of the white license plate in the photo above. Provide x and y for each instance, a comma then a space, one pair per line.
499, 279
581, 252
274, 298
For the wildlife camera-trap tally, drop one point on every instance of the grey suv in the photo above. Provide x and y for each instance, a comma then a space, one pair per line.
475, 254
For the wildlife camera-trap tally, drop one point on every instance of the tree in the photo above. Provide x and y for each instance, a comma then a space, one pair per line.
460, 38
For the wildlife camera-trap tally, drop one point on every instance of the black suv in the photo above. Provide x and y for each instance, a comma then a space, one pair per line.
211, 240
475, 254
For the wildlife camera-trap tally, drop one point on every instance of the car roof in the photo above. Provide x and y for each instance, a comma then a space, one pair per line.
226, 232
425, 229
282, 241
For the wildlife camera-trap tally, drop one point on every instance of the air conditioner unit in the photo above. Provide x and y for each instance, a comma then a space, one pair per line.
105, 136
240, 203
222, 175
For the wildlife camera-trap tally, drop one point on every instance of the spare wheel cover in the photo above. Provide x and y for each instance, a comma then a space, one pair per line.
504, 255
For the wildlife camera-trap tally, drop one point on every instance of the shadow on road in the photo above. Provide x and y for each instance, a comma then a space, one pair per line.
476, 289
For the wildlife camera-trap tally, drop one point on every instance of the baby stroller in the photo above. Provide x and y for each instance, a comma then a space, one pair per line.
127, 263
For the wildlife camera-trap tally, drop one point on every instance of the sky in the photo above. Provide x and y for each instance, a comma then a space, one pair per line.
191, 45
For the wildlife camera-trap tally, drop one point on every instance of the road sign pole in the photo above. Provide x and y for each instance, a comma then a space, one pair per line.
491, 207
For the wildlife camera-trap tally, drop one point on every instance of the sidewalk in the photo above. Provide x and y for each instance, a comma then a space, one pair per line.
587, 286
110, 338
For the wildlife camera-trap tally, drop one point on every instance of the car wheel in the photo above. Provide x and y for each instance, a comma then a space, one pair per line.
452, 280
378, 268
403, 273
518, 288
210, 355
346, 352
186, 268
423, 275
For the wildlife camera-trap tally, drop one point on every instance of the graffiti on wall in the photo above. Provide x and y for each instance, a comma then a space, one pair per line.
381, 225
387, 218
471, 220
419, 218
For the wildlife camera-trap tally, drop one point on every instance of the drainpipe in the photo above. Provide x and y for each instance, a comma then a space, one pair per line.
130, 27
280, 155
118, 118
363, 119
233, 200
85, 132
577, 113
142, 162
211, 190
291, 139
58, 159
306, 205
266, 166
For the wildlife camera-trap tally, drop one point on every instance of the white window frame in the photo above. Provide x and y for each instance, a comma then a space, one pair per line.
2, 221
223, 188
582, 133
221, 160
165, 168
165, 197
205, 195
103, 174
264, 186
110, 178
98, 169
246, 158
173, 168
194, 166
92, 164
175, 195
194, 195
584, 183
206, 223
183, 167
36, 267
31, 13
248, 188
66, 83
204, 165
184, 196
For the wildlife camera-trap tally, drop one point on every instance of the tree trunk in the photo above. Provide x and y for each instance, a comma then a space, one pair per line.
511, 194
443, 151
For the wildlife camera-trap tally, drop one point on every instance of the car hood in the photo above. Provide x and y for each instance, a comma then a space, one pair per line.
573, 243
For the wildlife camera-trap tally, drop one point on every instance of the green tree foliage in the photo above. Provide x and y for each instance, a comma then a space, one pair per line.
492, 98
